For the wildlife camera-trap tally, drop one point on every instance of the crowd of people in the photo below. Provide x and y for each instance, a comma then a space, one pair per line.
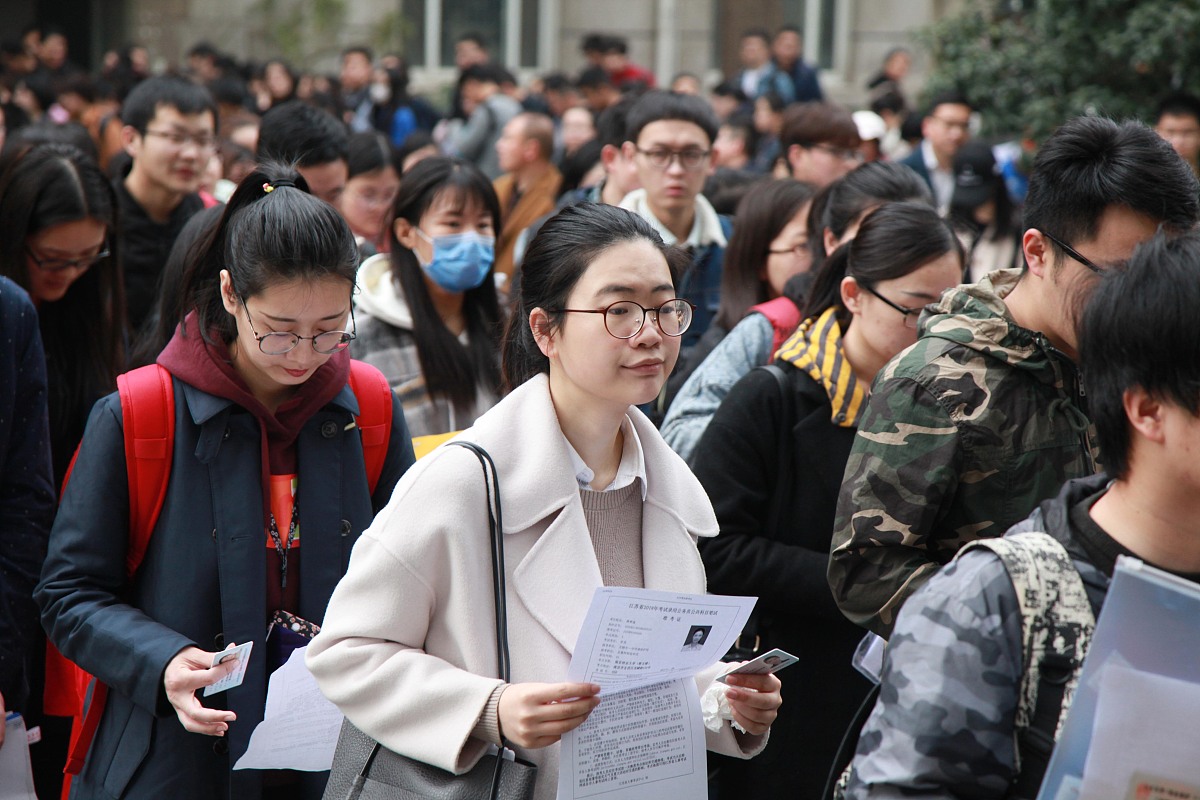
736, 338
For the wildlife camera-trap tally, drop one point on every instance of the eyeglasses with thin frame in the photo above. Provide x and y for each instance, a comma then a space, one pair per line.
798, 249
622, 320
179, 139
690, 159
840, 153
1075, 254
910, 314
53, 265
279, 342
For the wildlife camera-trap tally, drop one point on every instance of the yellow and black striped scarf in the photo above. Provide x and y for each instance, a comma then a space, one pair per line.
816, 349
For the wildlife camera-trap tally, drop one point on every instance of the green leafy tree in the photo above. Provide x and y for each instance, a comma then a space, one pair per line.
1028, 66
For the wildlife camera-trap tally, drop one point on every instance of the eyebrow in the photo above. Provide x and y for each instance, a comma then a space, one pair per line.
617, 289
329, 318
920, 295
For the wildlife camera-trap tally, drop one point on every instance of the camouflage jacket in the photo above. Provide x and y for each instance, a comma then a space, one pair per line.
965, 433
945, 720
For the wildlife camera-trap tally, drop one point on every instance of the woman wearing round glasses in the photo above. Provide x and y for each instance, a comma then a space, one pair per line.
266, 457
591, 496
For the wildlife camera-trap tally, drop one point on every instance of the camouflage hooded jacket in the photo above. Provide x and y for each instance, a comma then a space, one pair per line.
965, 433
945, 722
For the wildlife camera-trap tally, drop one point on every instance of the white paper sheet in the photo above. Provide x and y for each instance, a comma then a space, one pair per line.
16, 776
643, 648
1145, 723
299, 728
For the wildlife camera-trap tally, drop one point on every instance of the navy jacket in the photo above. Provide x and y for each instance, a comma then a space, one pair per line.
916, 162
201, 583
701, 284
26, 486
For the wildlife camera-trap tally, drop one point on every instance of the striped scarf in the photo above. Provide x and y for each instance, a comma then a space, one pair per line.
816, 349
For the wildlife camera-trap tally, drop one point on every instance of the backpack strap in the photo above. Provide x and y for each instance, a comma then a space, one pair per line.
1056, 628
784, 317
148, 416
374, 420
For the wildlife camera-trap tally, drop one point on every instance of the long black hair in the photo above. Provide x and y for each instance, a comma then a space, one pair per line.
451, 369
272, 231
84, 332
556, 259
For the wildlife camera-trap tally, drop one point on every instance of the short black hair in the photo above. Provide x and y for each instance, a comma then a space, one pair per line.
472, 36
556, 82
486, 73
658, 105
950, 97
1093, 163
1179, 104
594, 78
184, 96
362, 50
1139, 329
297, 133
610, 124
758, 33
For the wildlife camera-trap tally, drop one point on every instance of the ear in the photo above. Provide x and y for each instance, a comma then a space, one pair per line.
851, 295
131, 140
629, 150
543, 335
1145, 414
1038, 253
796, 157
406, 232
229, 297
608, 156
830, 240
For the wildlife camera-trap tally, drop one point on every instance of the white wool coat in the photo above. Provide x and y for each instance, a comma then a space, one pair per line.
407, 650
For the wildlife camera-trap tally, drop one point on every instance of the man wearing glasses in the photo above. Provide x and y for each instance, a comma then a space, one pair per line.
985, 416
169, 134
820, 142
944, 130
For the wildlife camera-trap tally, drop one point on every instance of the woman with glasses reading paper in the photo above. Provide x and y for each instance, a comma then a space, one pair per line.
265, 448
591, 496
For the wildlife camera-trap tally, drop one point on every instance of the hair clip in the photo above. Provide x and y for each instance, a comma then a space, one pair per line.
268, 188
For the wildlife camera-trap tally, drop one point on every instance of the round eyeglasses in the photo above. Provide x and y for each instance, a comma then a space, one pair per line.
278, 343
624, 319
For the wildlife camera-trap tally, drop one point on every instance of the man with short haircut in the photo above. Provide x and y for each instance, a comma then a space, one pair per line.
529, 185
169, 132
820, 142
669, 137
947, 718
488, 110
355, 81
984, 417
315, 140
598, 89
1178, 121
469, 49
944, 129
787, 49
624, 72
759, 74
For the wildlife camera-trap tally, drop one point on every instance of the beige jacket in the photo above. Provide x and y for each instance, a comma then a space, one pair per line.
408, 641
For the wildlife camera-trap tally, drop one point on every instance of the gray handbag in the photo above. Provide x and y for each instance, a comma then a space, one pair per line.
363, 769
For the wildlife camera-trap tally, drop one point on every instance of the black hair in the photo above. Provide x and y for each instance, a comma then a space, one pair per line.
743, 121
730, 89
272, 231
144, 100
615, 44
451, 369
1138, 329
761, 215
726, 187
758, 33
1179, 104
556, 259
556, 82
486, 73
230, 90
83, 333
46, 131
593, 43
415, 141
951, 97
472, 36
659, 105
889, 100
808, 124
610, 123
577, 165
843, 201
893, 241
367, 152
203, 49
594, 78
1091, 164
361, 50
297, 132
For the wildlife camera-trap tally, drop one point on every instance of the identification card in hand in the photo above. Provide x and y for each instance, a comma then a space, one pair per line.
769, 662
242, 653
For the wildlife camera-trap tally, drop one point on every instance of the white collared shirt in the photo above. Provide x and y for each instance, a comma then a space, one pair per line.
631, 468
706, 226
942, 179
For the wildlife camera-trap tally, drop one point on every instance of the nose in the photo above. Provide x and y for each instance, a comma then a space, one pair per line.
675, 165
650, 334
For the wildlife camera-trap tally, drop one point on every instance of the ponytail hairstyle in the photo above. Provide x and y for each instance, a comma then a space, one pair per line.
557, 257
84, 332
893, 241
451, 369
838, 205
272, 231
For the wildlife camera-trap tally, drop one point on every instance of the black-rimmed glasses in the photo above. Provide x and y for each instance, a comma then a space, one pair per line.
62, 264
910, 314
623, 320
690, 159
1075, 254
278, 343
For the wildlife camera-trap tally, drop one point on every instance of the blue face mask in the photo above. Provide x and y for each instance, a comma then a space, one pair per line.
460, 261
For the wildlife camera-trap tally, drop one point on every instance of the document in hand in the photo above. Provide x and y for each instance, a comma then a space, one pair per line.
1144, 663
644, 648
16, 775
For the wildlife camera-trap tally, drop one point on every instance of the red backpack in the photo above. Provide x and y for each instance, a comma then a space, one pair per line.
148, 417
784, 317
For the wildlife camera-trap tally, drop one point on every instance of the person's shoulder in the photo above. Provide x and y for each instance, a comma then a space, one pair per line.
17, 309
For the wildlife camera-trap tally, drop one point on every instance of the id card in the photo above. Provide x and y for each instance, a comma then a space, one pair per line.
242, 653
769, 662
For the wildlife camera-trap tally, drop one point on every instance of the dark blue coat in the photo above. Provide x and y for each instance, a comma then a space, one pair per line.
701, 284
916, 162
202, 581
26, 486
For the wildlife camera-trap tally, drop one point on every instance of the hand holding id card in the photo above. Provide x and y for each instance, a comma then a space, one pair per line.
769, 662
242, 653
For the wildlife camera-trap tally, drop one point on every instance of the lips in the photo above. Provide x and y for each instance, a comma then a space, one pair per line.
296, 373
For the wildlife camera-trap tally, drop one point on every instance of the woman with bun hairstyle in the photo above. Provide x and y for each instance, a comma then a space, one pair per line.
265, 448
428, 314
591, 496
772, 460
